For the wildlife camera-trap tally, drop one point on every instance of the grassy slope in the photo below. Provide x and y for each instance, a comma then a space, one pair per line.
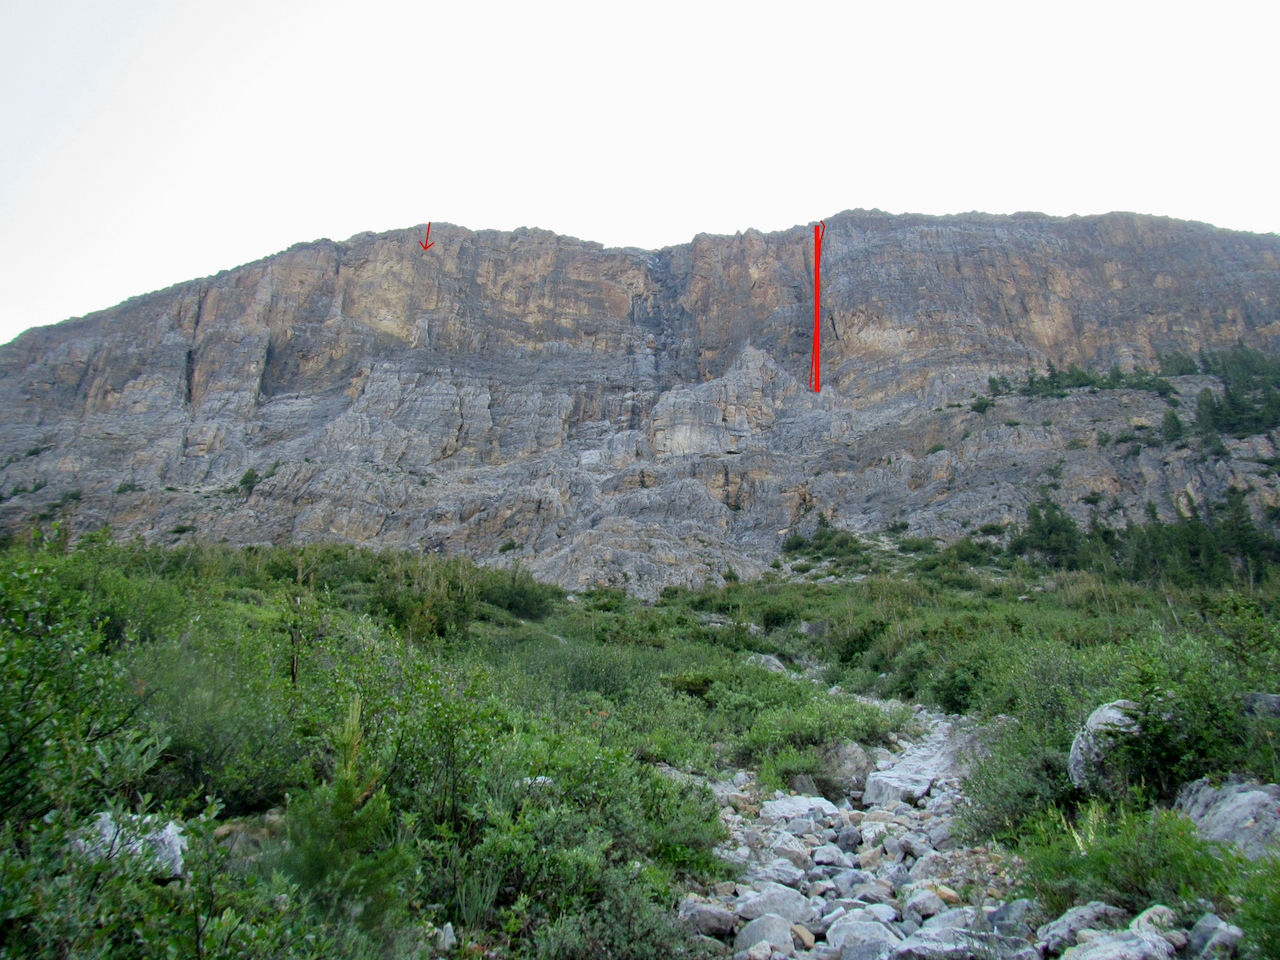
477, 684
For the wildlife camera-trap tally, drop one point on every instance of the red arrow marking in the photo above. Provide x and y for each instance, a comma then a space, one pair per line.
423, 243
815, 363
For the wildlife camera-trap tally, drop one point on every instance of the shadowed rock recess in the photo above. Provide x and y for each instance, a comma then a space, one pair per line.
629, 416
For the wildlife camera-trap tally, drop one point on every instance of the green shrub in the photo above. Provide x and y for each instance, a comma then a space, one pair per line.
573, 832
438, 729
1250, 402
61, 904
853, 636
429, 598
1045, 689
520, 594
1177, 365
776, 615
793, 543
1259, 913
1127, 858
1189, 714
819, 721
1050, 532
626, 924
57, 693
342, 850
936, 448
238, 727
916, 545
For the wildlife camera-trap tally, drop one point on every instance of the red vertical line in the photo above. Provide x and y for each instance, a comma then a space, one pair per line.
815, 355
816, 367
821, 240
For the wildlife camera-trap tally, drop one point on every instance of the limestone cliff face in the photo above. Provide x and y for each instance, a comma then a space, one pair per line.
626, 414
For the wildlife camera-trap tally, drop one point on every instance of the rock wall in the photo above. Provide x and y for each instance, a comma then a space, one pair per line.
625, 415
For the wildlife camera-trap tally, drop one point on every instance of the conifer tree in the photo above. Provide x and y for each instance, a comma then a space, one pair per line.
341, 844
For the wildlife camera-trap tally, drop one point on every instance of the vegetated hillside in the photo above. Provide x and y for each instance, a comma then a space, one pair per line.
362, 746
634, 417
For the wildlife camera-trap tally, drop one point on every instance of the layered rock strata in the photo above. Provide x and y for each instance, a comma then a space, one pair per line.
624, 415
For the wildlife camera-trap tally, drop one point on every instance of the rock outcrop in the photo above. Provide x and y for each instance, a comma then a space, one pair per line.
624, 415
1239, 812
1092, 757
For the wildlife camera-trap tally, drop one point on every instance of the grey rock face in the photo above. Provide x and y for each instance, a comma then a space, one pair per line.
916, 844
1240, 813
848, 930
1059, 934
832, 855
793, 808
846, 768
885, 787
627, 416
1123, 945
953, 943
941, 755
866, 950
925, 867
849, 839
1213, 937
709, 919
770, 927
1087, 765
1156, 919
161, 846
1015, 918
782, 871
445, 938
940, 836
893, 873
963, 917
776, 899
794, 849
924, 902
847, 880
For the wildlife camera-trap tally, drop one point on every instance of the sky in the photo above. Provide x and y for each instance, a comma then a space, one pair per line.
147, 142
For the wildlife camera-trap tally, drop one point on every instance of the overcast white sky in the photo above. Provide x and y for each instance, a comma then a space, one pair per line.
146, 142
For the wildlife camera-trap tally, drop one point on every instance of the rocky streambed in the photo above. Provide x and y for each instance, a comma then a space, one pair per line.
882, 875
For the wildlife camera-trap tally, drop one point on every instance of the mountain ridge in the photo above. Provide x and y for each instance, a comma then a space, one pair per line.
975, 215
622, 413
